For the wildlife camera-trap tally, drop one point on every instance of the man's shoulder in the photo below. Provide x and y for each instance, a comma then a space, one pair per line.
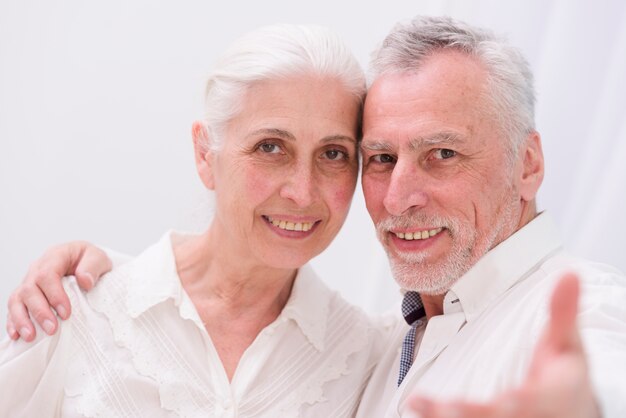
563, 260
594, 276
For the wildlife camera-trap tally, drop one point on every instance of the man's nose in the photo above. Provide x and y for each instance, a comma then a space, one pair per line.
406, 188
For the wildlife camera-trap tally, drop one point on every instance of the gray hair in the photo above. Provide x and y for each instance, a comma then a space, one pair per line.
509, 80
271, 53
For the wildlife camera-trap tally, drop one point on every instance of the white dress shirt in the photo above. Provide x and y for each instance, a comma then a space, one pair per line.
136, 346
493, 316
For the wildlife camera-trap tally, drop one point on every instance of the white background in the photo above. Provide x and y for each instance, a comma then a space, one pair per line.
97, 101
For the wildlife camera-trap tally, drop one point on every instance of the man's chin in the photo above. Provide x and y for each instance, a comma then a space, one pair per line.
424, 278
425, 289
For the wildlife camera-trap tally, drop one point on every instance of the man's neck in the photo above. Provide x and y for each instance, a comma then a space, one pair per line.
433, 305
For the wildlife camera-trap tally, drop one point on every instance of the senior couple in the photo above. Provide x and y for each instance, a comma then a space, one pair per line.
234, 323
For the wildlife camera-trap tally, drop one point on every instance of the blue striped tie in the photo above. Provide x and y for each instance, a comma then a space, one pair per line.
413, 311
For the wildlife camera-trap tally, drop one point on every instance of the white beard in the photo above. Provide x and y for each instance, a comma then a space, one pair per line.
412, 271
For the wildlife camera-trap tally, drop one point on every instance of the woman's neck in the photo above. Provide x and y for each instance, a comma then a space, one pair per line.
210, 270
235, 297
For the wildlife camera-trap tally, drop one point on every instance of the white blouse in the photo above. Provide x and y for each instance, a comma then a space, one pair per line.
136, 346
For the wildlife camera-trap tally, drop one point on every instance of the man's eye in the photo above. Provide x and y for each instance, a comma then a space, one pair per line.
335, 154
269, 148
383, 158
444, 154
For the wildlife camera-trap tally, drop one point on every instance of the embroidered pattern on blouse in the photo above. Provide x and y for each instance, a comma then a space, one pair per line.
312, 370
292, 383
105, 393
154, 354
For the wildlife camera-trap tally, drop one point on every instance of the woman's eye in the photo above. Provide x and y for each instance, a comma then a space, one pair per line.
335, 154
383, 158
269, 148
444, 154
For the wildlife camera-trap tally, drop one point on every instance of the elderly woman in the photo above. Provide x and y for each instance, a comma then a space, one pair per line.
231, 322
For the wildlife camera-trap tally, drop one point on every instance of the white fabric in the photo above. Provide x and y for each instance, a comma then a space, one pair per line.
493, 315
135, 346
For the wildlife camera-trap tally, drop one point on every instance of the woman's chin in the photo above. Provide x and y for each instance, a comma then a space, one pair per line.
288, 258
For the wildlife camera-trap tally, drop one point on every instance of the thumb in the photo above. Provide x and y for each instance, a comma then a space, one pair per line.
562, 332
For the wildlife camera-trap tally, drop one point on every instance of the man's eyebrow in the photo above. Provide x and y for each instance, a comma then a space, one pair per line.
279, 133
376, 145
438, 139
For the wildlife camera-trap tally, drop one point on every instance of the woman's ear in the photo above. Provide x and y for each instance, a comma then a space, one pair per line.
203, 154
532, 167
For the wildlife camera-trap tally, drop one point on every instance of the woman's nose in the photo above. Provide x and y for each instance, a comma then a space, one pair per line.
300, 186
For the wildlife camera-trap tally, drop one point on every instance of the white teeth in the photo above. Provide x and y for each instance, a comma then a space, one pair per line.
291, 226
410, 236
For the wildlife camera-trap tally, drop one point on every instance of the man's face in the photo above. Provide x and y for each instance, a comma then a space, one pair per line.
436, 178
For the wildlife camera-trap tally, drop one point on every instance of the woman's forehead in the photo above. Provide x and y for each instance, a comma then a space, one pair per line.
290, 108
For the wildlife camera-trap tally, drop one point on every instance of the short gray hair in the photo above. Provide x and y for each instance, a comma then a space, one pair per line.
509, 81
271, 53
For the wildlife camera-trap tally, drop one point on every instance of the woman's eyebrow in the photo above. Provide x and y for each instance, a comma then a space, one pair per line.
283, 134
280, 133
333, 138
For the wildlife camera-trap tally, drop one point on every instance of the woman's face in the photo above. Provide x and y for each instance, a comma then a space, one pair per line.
287, 170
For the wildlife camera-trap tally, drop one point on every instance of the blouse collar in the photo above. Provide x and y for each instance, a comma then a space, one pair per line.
307, 306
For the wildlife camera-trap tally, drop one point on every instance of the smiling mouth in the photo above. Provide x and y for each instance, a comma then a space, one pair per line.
290, 225
417, 235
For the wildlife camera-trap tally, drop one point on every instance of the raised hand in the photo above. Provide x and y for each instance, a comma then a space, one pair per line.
41, 290
558, 382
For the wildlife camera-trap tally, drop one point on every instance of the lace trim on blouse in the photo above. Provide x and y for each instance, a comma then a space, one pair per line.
292, 383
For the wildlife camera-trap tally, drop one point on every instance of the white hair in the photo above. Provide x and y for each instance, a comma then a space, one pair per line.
509, 80
271, 53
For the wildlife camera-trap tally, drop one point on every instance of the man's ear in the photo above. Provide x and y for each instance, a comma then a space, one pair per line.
532, 167
203, 154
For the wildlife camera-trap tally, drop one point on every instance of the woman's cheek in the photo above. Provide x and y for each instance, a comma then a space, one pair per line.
259, 181
343, 193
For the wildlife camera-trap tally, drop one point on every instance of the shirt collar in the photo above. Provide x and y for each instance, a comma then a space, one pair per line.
157, 266
308, 306
503, 266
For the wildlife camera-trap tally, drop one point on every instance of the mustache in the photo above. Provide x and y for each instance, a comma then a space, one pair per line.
407, 221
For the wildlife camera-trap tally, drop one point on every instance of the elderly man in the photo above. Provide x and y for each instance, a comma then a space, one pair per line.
451, 167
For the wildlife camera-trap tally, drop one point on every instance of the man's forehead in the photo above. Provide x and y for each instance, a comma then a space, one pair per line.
440, 72
440, 104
